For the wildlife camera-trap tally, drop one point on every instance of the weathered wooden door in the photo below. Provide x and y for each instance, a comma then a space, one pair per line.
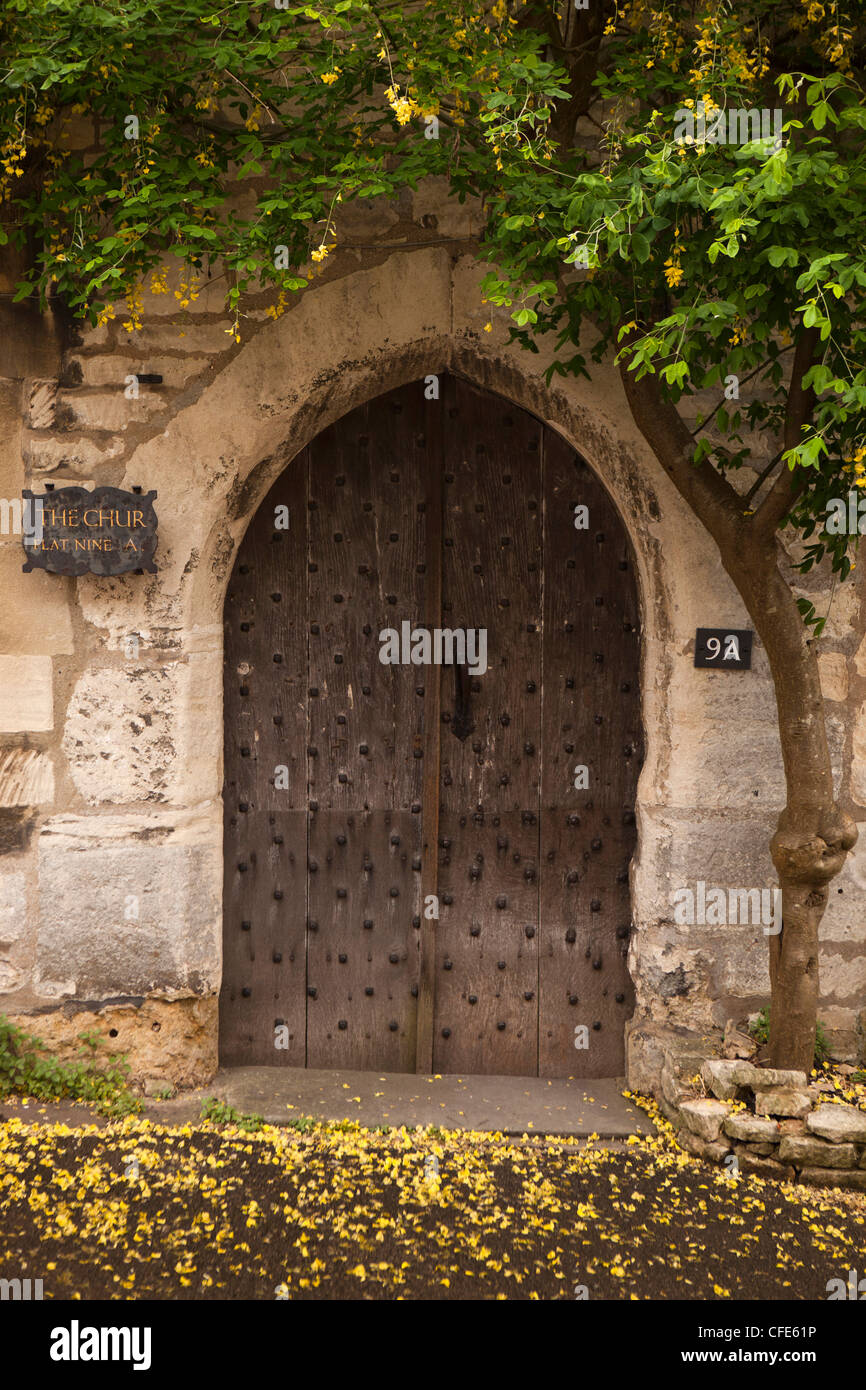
427, 865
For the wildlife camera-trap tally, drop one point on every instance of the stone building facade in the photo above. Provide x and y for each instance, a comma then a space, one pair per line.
111, 723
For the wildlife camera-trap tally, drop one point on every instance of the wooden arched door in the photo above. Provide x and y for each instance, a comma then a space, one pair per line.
432, 741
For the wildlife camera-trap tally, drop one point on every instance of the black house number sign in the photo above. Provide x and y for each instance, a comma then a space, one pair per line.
73, 530
728, 649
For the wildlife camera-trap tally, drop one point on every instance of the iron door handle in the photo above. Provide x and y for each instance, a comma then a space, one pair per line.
462, 723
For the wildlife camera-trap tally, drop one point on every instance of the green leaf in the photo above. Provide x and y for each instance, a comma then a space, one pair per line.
640, 246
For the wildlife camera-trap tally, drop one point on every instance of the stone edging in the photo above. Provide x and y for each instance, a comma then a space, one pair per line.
774, 1123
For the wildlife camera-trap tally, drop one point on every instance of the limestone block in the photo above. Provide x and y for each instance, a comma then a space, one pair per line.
35, 616
838, 1123
184, 338
211, 300
761, 1167
666, 970
112, 369
144, 733
704, 1117
123, 608
645, 1056
792, 1126
79, 457
769, 1078
844, 919
751, 1128
11, 473
815, 1153
723, 848
80, 409
713, 1150
26, 777
26, 694
785, 1100
725, 1078
359, 218
833, 670
30, 338
726, 769
13, 907
432, 199
737, 961
123, 921
11, 977
671, 1114
737, 1044
671, 1088
829, 1177
843, 976
858, 757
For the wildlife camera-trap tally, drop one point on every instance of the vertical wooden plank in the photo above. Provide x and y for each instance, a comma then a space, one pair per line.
434, 466
486, 959
591, 719
365, 575
265, 824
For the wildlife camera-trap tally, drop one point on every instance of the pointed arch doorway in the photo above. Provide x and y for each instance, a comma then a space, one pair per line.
426, 865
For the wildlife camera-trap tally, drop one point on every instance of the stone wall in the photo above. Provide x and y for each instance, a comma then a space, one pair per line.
110, 689
775, 1124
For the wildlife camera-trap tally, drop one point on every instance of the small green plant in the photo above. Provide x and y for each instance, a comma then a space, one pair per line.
822, 1046
220, 1113
28, 1069
760, 1027
303, 1124
163, 1093
760, 1031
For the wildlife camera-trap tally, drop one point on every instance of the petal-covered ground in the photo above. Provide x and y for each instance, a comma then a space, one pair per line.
139, 1209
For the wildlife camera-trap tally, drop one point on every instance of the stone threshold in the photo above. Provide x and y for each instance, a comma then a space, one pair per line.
509, 1105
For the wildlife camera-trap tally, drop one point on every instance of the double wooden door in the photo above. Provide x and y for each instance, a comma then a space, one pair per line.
426, 865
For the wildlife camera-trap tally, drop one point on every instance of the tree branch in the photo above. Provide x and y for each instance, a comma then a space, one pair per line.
792, 482
764, 364
707, 492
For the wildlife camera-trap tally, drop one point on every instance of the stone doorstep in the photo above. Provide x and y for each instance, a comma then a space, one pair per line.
535, 1106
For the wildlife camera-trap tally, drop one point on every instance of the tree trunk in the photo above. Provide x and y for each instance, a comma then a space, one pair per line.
813, 834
